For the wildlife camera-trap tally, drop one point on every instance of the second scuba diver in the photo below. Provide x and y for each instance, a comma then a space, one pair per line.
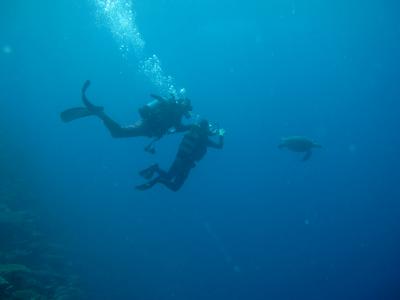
192, 149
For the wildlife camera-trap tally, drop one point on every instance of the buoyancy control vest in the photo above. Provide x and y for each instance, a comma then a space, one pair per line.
194, 144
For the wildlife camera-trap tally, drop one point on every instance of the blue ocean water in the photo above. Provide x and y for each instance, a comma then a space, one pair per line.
252, 221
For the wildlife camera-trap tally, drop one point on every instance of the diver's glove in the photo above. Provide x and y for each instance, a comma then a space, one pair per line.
221, 132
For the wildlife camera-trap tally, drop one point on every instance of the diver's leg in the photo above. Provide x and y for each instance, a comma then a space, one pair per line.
155, 168
177, 167
148, 185
149, 171
178, 178
181, 178
169, 184
162, 173
176, 183
173, 179
117, 131
163, 177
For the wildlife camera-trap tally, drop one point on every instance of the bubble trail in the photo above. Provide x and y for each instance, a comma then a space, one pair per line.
119, 17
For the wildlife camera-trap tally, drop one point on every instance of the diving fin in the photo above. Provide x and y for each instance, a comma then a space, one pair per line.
90, 106
144, 186
307, 155
75, 113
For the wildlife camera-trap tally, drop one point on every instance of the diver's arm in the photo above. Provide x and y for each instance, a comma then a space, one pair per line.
219, 145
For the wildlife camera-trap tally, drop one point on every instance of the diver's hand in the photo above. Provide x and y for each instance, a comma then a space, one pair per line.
221, 132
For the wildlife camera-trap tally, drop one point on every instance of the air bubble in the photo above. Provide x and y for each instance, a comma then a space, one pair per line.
119, 16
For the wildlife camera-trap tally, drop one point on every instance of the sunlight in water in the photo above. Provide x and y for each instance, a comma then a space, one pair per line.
120, 18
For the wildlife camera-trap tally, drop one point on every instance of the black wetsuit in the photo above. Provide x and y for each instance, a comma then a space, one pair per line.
191, 150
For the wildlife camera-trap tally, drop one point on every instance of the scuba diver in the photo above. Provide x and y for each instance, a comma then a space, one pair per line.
159, 117
192, 149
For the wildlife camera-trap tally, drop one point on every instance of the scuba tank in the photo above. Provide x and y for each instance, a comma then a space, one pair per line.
152, 107
149, 109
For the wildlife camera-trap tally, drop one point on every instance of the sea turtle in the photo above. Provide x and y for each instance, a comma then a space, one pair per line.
299, 144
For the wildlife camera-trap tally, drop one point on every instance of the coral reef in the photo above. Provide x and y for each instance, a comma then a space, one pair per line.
31, 266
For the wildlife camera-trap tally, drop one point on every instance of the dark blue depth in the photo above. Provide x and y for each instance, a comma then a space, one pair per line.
252, 221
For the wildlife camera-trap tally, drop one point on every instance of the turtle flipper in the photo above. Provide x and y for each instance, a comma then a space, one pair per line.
307, 155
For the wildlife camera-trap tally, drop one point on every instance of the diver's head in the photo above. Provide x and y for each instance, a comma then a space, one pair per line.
204, 126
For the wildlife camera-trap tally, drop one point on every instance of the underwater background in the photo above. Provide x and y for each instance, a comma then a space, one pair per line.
252, 221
